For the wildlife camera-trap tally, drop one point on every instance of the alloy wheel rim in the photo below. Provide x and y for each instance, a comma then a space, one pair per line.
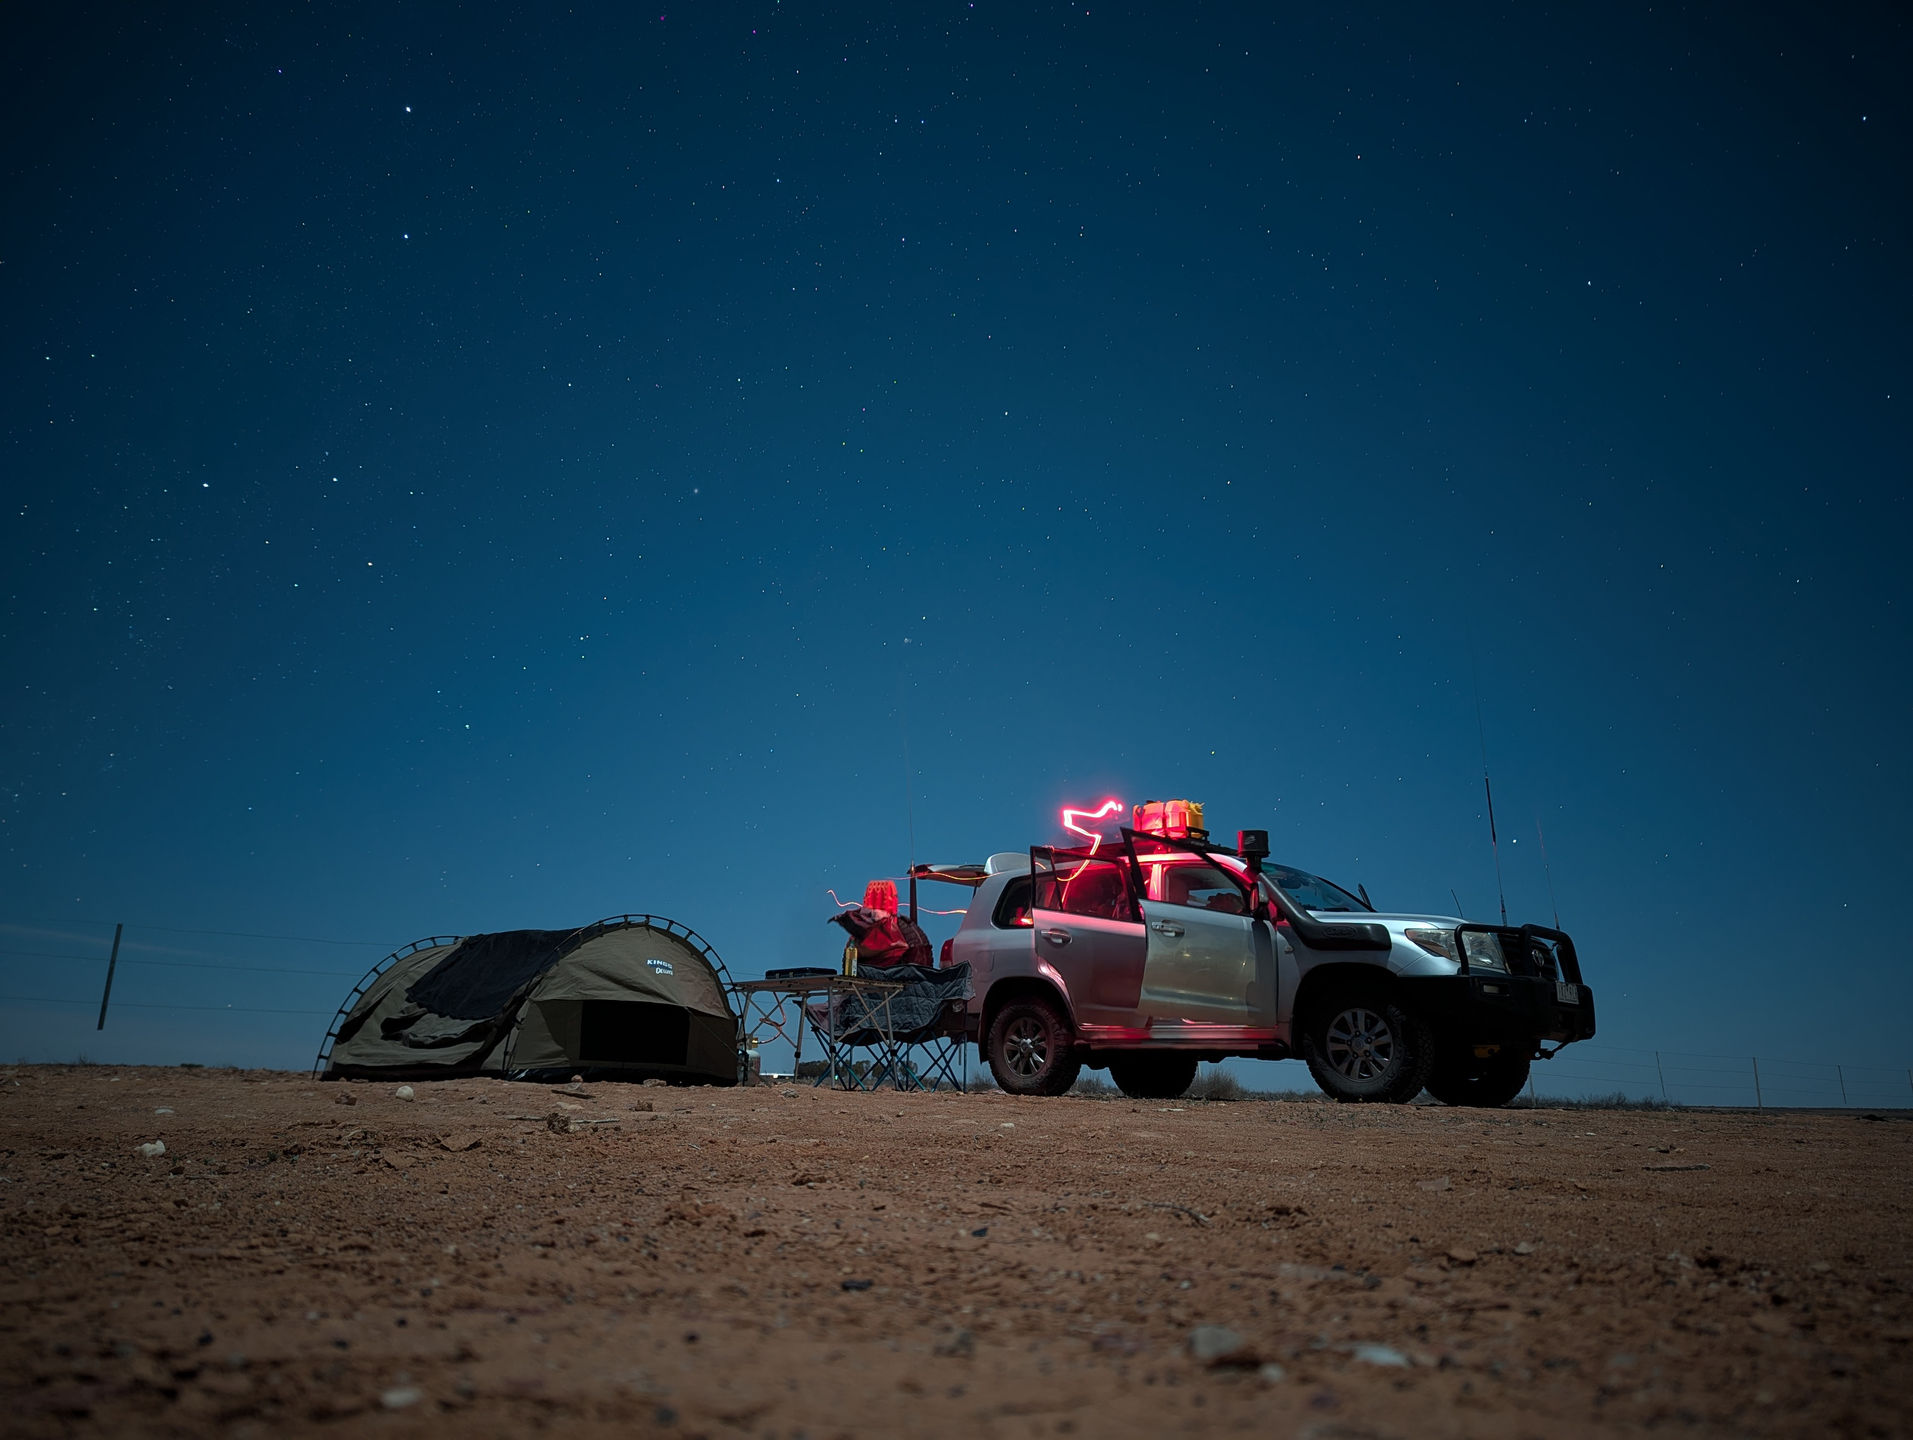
1360, 1044
1025, 1048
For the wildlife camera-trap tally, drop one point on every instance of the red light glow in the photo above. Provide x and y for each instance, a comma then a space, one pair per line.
1095, 837
852, 905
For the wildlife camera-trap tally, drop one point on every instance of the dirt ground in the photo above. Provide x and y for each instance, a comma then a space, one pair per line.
784, 1262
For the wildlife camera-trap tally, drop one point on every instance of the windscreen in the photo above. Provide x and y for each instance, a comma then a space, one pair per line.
1312, 892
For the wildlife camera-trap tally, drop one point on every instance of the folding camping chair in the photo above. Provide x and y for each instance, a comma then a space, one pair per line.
937, 1054
855, 1013
914, 1027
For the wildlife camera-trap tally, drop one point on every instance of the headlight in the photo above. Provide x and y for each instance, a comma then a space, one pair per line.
1484, 951
1436, 942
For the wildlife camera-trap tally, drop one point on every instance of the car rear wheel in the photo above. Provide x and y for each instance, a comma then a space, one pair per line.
1361, 1045
1029, 1048
1153, 1075
1460, 1078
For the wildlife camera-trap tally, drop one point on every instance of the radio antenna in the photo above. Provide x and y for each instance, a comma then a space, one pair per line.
909, 805
1547, 871
1494, 840
1494, 844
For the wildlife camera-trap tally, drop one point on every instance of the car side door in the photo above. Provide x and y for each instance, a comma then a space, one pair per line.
1087, 924
1204, 962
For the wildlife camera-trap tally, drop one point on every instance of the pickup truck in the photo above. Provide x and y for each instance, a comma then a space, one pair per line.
1151, 954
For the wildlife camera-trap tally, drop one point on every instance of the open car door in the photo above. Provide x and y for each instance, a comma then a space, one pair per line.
1209, 959
1087, 923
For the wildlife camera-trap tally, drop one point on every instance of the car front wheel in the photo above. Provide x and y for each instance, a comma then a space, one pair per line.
1029, 1048
1362, 1046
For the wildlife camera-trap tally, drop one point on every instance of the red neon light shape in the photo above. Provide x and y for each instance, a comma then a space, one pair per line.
1095, 837
852, 905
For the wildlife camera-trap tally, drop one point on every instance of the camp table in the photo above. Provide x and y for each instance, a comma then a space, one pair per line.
764, 1008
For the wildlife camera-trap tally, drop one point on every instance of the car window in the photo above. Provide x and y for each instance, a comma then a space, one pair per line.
1097, 888
1312, 892
1202, 887
1013, 905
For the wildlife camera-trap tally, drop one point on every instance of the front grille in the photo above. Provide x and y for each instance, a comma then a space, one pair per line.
1529, 955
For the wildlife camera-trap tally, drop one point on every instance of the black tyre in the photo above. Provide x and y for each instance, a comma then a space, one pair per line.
1029, 1048
1153, 1074
1460, 1078
1363, 1046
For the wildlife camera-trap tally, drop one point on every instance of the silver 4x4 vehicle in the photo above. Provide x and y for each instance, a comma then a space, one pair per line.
1149, 955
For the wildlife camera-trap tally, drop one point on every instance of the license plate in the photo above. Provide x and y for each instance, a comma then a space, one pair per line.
1566, 993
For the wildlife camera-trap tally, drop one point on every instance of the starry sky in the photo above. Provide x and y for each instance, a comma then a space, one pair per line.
494, 466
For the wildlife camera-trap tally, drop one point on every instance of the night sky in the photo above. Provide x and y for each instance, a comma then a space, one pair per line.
484, 467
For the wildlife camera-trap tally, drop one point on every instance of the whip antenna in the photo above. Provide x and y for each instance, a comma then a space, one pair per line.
1494, 840
1494, 844
1545, 870
909, 806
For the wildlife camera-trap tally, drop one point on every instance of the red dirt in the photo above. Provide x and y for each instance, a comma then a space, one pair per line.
294, 1265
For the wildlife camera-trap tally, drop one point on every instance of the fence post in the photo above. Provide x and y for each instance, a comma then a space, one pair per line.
1663, 1074
111, 961
1758, 1103
1841, 1072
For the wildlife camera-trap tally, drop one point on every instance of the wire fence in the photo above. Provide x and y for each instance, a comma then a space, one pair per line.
64, 964
61, 965
1688, 1078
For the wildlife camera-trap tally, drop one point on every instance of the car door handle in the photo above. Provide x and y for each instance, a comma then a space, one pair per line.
1165, 927
1056, 937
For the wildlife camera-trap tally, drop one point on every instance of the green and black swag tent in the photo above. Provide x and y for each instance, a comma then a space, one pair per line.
636, 997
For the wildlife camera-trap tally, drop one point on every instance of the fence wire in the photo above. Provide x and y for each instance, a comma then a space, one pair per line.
1688, 1078
250, 985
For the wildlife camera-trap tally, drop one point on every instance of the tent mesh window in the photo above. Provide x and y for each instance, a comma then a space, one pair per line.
633, 1032
480, 978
